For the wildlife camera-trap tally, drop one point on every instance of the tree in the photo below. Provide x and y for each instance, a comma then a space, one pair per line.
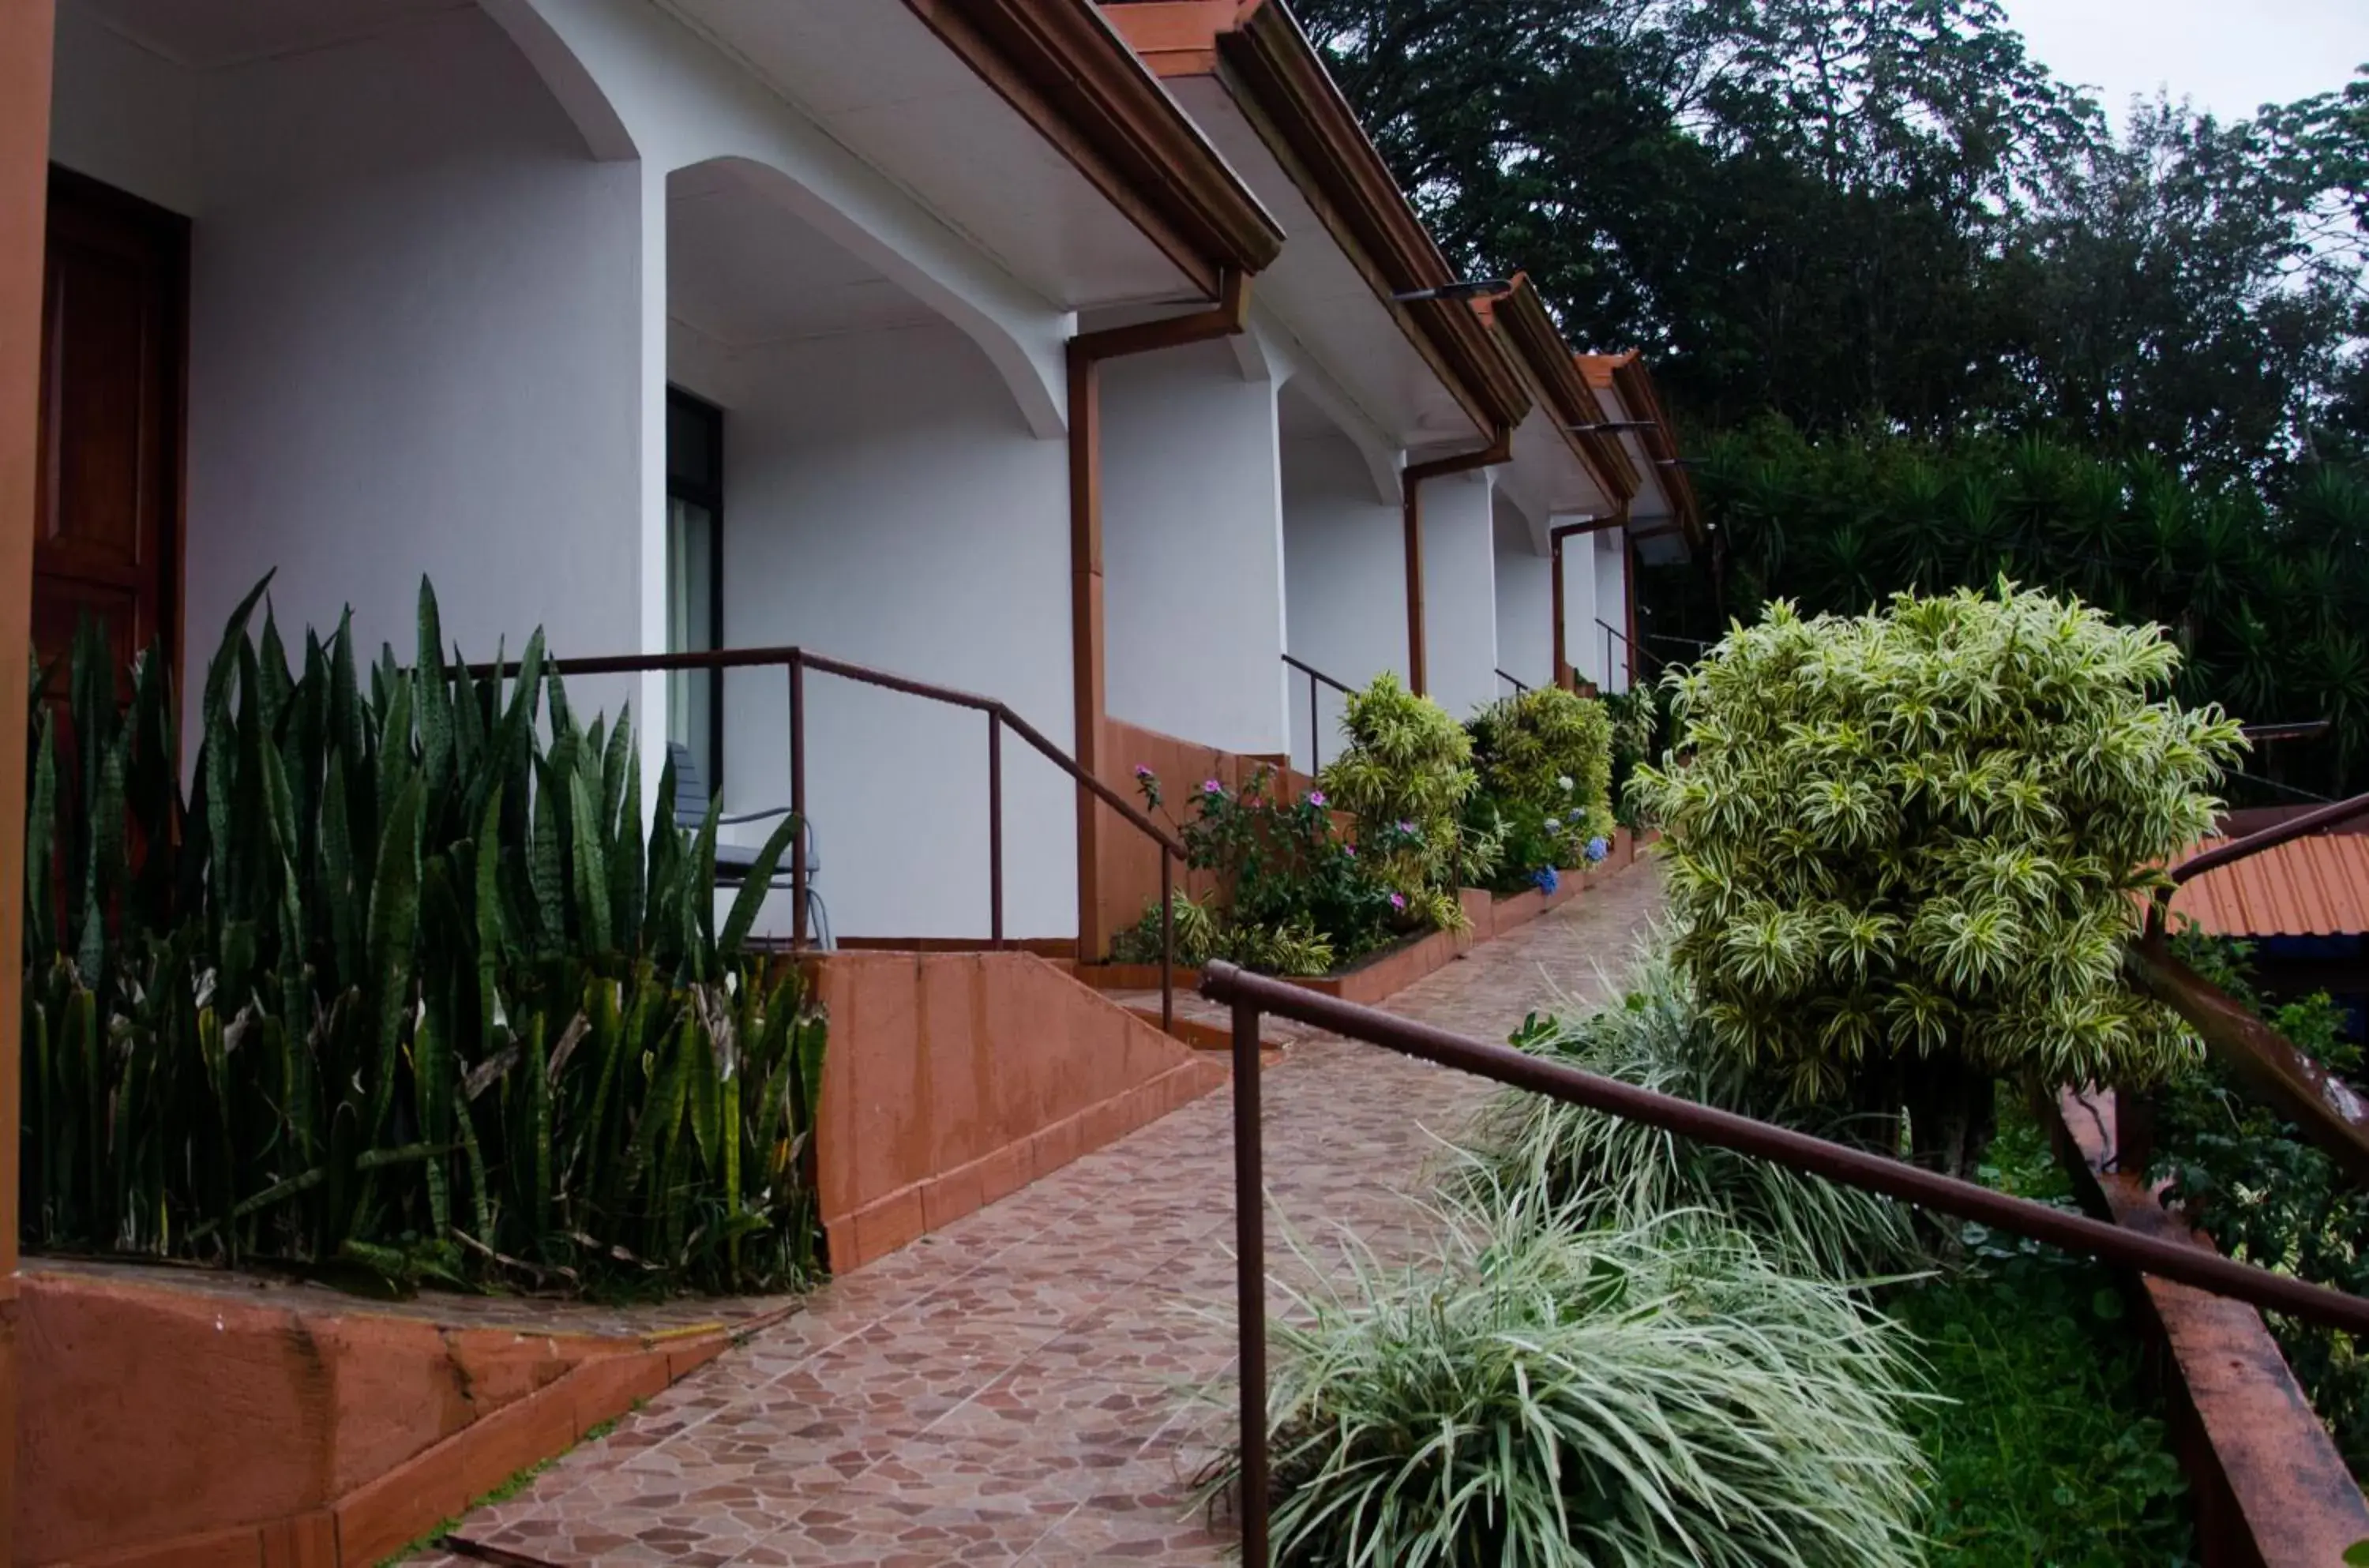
1902, 858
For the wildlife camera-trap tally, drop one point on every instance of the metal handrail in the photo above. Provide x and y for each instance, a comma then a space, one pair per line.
1250, 996
1000, 717
1515, 682
1315, 675
2299, 730
1636, 649
2297, 827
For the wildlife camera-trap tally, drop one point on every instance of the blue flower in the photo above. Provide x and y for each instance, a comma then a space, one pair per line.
1598, 848
1546, 880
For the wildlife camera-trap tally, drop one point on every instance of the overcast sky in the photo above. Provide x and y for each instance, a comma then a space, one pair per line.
2229, 56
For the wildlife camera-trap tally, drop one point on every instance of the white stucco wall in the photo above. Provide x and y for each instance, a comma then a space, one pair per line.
1583, 640
1345, 579
413, 336
1612, 606
1460, 593
1193, 564
886, 504
1525, 602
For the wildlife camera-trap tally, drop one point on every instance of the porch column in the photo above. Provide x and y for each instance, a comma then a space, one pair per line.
25, 28
1460, 593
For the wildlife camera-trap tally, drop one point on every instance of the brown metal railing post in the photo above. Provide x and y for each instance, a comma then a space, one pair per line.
1250, 1282
1167, 941
798, 797
1315, 760
995, 827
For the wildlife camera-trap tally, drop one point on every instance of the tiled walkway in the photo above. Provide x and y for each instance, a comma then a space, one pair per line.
1007, 1391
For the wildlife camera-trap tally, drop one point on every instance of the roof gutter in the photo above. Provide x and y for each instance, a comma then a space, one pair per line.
1073, 78
1520, 318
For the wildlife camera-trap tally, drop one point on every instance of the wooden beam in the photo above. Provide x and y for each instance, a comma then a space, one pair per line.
26, 30
1229, 315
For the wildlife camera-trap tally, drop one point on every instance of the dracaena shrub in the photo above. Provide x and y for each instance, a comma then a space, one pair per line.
1405, 772
1903, 855
1544, 759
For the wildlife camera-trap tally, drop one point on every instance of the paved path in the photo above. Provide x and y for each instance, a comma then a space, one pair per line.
1007, 1391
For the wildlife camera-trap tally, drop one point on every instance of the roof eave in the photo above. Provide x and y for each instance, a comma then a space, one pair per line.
1071, 76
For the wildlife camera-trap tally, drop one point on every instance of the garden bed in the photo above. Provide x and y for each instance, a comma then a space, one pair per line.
1385, 972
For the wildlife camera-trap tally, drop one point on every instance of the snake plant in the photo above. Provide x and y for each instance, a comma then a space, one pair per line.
401, 981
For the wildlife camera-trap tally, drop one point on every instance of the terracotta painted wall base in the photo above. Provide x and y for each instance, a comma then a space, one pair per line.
179, 1429
956, 1078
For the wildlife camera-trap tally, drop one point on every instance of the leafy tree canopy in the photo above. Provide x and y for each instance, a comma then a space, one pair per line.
1837, 211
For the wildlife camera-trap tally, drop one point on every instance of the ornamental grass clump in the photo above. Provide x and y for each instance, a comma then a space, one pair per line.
1547, 1395
1406, 774
1903, 856
1598, 1170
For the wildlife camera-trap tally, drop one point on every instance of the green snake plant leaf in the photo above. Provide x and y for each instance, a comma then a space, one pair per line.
394, 924
490, 945
591, 871
345, 899
626, 864
754, 886
433, 698
546, 857
617, 768
106, 860
40, 843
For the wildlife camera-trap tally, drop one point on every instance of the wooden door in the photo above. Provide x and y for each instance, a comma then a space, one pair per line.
114, 308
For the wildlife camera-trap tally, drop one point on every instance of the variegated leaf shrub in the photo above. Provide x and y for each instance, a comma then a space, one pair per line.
402, 983
1904, 852
1544, 759
1405, 773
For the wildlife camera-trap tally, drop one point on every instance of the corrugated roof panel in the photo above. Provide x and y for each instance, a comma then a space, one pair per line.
2312, 886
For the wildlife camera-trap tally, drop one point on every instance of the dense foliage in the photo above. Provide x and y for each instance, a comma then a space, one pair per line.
1838, 211
402, 984
1544, 760
1637, 723
1604, 1171
2265, 1195
1547, 1395
1294, 897
1901, 858
1405, 773
2267, 603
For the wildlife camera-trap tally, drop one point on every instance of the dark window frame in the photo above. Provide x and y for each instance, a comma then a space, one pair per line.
709, 495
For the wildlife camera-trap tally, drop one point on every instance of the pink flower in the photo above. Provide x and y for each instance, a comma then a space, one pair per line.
1211, 786
1141, 771
1397, 900
1349, 850
1315, 798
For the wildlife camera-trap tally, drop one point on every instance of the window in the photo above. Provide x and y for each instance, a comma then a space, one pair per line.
695, 577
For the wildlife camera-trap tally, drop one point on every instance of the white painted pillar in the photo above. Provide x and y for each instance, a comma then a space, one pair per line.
1193, 549
1460, 593
1583, 640
1344, 575
1612, 606
1526, 617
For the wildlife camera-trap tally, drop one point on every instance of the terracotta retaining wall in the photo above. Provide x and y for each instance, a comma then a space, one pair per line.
953, 1078
162, 1428
2270, 1489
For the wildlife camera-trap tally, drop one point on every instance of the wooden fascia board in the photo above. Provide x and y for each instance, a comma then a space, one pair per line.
1521, 315
1304, 117
1071, 76
1636, 385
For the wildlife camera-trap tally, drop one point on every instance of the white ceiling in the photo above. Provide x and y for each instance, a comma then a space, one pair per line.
1317, 291
207, 35
743, 270
886, 87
